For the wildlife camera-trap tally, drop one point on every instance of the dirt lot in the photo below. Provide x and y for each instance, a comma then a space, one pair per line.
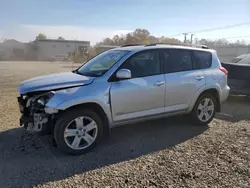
163, 153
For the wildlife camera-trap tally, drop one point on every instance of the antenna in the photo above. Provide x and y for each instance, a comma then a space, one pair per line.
185, 37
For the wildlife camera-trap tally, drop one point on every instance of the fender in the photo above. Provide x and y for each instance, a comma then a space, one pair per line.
200, 91
64, 99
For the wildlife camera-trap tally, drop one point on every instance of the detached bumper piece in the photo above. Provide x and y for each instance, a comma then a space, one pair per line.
33, 119
35, 123
21, 104
25, 120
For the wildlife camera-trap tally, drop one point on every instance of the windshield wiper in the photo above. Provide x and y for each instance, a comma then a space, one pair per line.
85, 74
77, 72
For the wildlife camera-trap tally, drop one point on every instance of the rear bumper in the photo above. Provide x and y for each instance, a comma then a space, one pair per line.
224, 93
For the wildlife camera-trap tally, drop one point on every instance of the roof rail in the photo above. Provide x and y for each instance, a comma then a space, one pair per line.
107, 46
125, 45
179, 44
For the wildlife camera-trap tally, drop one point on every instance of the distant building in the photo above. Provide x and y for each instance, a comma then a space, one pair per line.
49, 48
43, 49
12, 50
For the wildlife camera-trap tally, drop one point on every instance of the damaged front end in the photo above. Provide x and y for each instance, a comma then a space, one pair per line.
32, 106
36, 94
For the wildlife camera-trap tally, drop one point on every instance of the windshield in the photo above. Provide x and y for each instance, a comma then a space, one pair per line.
101, 63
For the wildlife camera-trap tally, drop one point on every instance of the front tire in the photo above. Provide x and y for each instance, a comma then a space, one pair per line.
204, 109
78, 130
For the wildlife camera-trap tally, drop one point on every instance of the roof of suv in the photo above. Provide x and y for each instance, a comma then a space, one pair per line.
160, 46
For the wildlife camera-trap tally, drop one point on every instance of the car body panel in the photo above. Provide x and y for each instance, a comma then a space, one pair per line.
53, 81
97, 93
137, 97
181, 87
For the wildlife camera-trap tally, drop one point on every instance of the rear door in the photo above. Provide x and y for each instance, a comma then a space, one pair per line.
182, 77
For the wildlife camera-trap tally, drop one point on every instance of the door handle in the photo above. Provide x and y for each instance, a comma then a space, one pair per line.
199, 78
158, 83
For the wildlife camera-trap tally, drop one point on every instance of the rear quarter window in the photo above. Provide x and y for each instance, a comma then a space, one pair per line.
203, 60
177, 60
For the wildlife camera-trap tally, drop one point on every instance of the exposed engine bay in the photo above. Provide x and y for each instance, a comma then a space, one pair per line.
32, 106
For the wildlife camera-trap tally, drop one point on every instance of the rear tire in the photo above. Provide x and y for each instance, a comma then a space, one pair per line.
78, 130
204, 109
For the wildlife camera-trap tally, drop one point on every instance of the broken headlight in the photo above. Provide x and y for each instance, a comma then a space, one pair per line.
44, 98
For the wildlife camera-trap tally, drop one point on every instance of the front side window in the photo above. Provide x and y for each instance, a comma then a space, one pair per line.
143, 64
176, 60
101, 63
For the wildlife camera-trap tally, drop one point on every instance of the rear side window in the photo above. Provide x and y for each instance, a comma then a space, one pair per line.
176, 60
203, 60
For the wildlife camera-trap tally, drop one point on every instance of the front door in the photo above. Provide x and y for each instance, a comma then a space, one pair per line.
183, 80
142, 95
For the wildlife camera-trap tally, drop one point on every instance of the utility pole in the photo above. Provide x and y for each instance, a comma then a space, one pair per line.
185, 37
191, 38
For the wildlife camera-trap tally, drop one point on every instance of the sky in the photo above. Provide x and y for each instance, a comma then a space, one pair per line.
94, 20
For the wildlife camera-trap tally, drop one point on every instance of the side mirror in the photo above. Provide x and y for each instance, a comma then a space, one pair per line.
123, 74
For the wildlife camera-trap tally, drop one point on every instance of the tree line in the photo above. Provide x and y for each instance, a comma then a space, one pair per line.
42, 36
143, 36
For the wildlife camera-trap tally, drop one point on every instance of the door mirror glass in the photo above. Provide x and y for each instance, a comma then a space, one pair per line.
123, 74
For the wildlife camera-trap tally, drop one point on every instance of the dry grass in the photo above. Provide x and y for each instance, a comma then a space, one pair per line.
162, 153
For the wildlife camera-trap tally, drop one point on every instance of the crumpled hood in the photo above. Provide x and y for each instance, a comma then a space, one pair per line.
54, 81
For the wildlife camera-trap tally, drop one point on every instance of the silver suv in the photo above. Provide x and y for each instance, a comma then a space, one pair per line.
123, 85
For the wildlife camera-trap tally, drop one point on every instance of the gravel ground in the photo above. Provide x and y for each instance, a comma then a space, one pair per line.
163, 153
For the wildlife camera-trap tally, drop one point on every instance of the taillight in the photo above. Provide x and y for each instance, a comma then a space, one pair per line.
224, 70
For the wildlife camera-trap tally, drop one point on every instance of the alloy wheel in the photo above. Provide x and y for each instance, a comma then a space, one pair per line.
205, 109
80, 133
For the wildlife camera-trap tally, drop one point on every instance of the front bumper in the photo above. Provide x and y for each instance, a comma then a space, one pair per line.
25, 118
34, 122
26, 122
21, 103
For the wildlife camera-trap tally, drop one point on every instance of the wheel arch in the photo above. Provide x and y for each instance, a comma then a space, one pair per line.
96, 108
214, 92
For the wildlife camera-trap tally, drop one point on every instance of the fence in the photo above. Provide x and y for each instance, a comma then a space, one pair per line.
227, 53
